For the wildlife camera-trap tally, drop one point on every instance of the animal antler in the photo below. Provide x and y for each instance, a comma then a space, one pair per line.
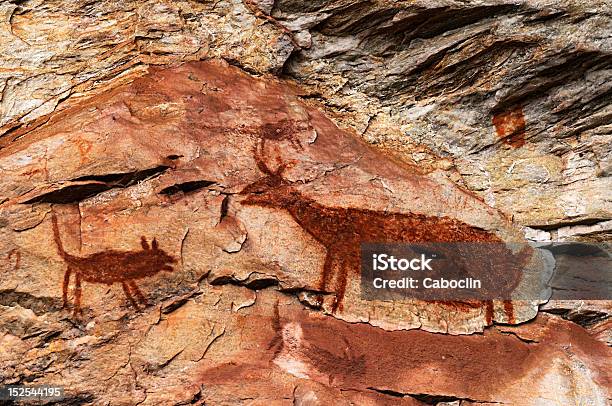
258, 153
272, 179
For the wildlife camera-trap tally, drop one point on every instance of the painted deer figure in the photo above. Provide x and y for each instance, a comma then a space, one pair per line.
110, 266
342, 230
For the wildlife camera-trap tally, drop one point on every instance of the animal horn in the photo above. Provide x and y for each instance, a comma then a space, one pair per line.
144, 243
259, 158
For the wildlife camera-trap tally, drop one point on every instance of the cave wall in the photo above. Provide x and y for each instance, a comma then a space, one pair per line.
184, 185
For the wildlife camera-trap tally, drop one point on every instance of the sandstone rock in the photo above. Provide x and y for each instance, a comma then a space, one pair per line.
54, 52
183, 146
180, 229
514, 93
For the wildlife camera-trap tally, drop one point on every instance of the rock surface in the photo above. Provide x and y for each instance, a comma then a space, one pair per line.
199, 148
236, 200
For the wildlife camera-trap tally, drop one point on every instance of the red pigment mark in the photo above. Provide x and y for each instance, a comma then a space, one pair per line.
15, 253
345, 360
509, 311
467, 305
342, 230
510, 126
276, 344
84, 147
489, 312
110, 266
254, 8
29, 174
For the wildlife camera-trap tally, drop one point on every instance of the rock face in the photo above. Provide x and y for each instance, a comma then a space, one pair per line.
176, 232
512, 95
284, 197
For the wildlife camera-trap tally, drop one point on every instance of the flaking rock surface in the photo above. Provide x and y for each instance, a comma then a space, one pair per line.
235, 193
158, 228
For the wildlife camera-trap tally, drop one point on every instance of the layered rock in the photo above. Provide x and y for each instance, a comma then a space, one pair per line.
176, 233
245, 182
133, 216
512, 95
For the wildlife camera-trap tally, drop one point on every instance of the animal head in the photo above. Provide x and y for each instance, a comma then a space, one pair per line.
161, 256
272, 190
284, 130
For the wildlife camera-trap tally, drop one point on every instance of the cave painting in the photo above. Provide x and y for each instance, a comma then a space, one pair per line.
342, 230
110, 266
294, 353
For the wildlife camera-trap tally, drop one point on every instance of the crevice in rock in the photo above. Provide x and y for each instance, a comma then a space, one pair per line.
576, 249
91, 185
126, 179
71, 193
249, 283
179, 302
419, 22
561, 224
39, 305
514, 334
426, 398
541, 17
224, 207
239, 65
285, 70
186, 187
74, 400
584, 318
574, 67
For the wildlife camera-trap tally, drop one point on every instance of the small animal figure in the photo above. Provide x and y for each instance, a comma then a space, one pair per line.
110, 266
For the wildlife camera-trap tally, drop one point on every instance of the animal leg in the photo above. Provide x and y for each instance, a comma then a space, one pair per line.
65, 287
138, 293
77, 296
126, 290
489, 311
342, 275
327, 272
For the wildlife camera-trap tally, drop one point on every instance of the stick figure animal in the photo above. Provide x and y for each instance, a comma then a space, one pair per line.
110, 266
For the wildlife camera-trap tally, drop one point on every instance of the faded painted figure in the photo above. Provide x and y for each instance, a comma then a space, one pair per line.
110, 266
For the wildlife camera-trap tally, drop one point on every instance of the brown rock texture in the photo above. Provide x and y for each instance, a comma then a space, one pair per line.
185, 187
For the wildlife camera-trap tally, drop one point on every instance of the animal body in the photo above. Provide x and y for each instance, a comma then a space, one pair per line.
342, 230
110, 266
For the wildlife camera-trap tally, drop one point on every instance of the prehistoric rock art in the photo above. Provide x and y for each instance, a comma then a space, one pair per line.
293, 353
110, 266
342, 231
403, 363
269, 201
268, 150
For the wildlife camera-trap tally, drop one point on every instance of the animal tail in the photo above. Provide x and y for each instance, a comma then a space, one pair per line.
56, 237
